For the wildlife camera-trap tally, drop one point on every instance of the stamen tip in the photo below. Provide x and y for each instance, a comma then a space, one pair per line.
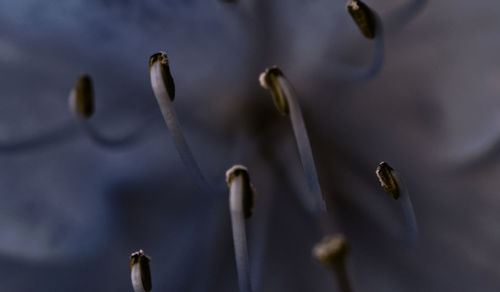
81, 100
363, 16
269, 80
387, 180
168, 80
158, 57
140, 272
248, 189
332, 250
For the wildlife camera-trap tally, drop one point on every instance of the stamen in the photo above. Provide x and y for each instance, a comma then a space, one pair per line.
332, 252
371, 26
57, 135
287, 103
395, 188
164, 91
241, 201
81, 102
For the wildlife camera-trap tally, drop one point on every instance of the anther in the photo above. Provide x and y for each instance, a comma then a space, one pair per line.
140, 273
363, 17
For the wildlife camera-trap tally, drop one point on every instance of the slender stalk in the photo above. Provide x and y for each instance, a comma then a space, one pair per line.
410, 219
164, 91
111, 142
403, 15
343, 278
259, 244
241, 195
57, 135
287, 103
332, 252
378, 56
396, 189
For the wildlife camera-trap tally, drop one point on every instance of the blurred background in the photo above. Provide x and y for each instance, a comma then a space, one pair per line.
72, 211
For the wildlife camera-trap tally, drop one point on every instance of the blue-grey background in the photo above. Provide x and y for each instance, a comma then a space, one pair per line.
71, 212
